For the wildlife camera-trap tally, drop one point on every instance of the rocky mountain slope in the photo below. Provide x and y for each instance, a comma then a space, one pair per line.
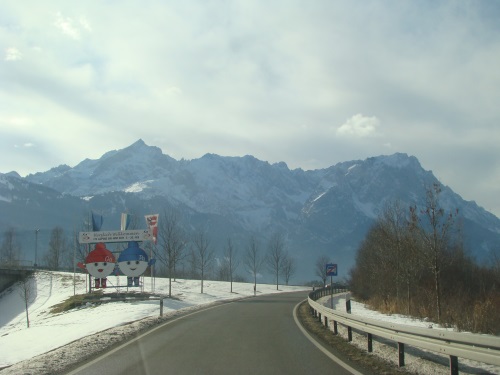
325, 211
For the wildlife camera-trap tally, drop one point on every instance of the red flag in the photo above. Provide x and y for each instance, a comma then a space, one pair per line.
152, 222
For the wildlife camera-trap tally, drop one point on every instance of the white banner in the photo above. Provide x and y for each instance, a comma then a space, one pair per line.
116, 236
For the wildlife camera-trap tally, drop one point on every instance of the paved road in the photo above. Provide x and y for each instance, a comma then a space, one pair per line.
251, 336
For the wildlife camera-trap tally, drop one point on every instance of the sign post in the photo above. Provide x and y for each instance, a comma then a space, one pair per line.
331, 270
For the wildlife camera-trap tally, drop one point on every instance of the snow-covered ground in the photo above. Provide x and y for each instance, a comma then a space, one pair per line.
20, 346
55, 340
417, 361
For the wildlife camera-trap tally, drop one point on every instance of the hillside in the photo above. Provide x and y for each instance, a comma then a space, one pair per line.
324, 211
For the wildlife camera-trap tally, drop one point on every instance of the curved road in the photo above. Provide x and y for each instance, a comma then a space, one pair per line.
251, 336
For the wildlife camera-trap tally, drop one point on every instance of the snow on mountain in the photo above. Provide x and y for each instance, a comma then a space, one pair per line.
114, 171
6, 187
318, 210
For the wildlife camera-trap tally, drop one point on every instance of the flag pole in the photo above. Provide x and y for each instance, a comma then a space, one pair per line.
74, 261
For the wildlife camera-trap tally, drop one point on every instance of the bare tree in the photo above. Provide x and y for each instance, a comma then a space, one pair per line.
320, 268
57, 254
276, 255
288, 267
191, 258
222, 269
80, 251
203, 255
27, 291
230, 260
400, 248
172, 243
253, 260
495, 264
435, 236
10, 251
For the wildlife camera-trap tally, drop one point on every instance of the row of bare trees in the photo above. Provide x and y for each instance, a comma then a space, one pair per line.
10, 250
177, 248
413, 261
179, 253
58, 255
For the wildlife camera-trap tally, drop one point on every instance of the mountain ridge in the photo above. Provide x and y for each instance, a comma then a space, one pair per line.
321, 211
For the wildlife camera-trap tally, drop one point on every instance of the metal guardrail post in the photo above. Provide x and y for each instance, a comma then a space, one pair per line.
348, 310
161, 306
348, 306
401, 353
453, 365
481, 348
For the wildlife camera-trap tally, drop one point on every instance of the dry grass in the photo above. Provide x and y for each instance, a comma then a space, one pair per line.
359, 359
478, 315
97, 297
74, 302
485, 315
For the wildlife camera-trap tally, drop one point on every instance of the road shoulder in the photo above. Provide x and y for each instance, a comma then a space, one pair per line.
361, 361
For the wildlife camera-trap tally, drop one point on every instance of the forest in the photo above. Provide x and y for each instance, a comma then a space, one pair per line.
413, 262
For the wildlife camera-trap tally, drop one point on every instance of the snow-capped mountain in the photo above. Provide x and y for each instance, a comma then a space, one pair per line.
325, 211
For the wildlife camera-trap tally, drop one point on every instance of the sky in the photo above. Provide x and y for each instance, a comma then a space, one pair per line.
54, 287
310, 83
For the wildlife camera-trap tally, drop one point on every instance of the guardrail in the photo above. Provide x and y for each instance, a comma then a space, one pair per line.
476, 347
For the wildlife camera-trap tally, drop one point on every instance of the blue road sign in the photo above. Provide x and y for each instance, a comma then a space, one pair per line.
331, 269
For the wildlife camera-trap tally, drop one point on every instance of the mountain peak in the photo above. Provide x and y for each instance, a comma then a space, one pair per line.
138, 143
141, 146
397, 160
318, 209
13, 174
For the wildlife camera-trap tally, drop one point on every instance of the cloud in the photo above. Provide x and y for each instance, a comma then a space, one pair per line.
12, 54
15, 121
25, 145
70, 27
85, 24
359, 126
186, 72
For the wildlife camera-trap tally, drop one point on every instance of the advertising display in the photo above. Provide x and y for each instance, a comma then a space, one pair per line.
99, 263
133, 262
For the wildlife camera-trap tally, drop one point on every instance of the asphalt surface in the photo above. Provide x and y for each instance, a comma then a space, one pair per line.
253, 336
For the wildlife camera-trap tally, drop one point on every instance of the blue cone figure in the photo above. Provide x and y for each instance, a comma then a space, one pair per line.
133, 262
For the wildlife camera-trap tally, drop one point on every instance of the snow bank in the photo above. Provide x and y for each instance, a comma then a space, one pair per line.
417, 361
100, 325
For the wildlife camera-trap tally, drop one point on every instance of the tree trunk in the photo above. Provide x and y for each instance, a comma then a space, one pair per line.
202, 281
408, 296
170, 280
277, 277
27, 316
438, 295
